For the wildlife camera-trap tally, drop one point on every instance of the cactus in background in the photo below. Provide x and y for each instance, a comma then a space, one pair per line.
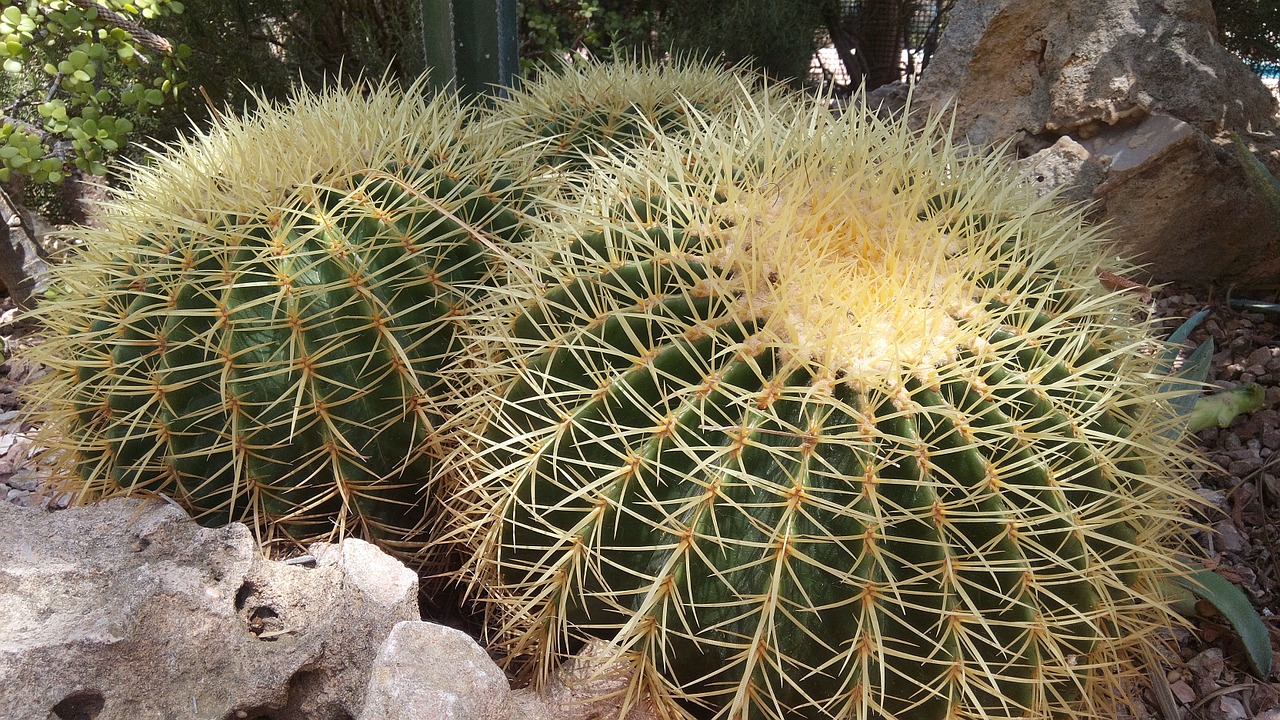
588, 109
834, 422
263, 326
470, 45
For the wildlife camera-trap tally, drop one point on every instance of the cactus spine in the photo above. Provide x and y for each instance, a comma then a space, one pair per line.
831, 423
259, 330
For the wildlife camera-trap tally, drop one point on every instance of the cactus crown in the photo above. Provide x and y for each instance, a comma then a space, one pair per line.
826, 420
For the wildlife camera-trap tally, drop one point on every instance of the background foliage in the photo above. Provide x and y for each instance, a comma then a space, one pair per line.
1251, 29
74, 73
57, 122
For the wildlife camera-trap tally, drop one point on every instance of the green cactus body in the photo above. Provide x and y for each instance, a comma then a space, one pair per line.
263, 328
865, 439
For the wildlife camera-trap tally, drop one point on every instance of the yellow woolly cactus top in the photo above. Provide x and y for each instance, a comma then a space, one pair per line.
857, 244
849, 280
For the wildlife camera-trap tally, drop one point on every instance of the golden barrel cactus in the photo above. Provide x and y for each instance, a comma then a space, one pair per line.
826, 420
265, 326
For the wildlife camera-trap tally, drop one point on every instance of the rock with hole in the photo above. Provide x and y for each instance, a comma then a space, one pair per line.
128, 609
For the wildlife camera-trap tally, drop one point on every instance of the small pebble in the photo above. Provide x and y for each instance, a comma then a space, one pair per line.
1228, 708
1208, 664
1242, 468
1216, 498
19, 497
1229, 538
1183, 692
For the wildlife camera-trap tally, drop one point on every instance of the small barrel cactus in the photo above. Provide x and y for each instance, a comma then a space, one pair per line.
587, 108
835, 422
262, 329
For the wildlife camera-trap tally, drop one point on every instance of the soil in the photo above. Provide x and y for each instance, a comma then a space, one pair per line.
1206, 675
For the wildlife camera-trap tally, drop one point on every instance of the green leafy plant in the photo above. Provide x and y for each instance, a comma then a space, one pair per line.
258, 328
826, 420
604, 29
76, 70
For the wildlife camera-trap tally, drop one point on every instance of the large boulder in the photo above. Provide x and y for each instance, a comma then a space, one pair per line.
128, 610
1130, 104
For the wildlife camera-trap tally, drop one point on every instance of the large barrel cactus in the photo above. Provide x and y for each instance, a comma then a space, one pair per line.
265, 326
835, 422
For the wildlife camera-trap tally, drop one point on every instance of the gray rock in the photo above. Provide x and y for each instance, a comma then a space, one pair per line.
1229, 538
425, 670
130, 610
1130, 104
1066, 166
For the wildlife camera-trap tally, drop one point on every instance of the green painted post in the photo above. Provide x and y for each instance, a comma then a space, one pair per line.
470, 44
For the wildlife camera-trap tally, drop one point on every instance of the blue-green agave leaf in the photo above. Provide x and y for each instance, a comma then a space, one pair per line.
1235, 607
1194, 371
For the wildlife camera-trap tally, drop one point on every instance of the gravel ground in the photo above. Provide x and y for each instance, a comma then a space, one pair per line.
1208, 677
1212, 678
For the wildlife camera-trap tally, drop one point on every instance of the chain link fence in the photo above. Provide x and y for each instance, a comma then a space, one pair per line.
920, 25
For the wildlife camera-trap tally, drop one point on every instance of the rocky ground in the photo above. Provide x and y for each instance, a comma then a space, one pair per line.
1243, 514
1209, 677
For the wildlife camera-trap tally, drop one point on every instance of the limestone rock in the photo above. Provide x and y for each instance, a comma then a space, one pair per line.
128, 610
425, 670
1076, 67
1129, 104
430, 671
1067, 165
